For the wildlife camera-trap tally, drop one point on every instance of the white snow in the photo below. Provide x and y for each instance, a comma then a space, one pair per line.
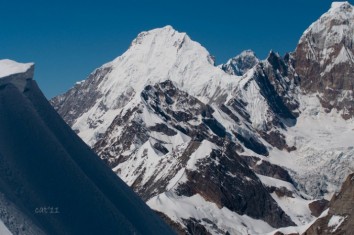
324, 141
154, 56
325, 150
296, 207
329, 31
249, 91
197, 207
299, 229
15, 73
10, 67
269, 181
335, 222
176, 179
336, 5
344, 56
203, 151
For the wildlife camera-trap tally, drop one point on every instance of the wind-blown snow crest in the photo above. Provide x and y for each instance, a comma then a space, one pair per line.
15, 73
10, 67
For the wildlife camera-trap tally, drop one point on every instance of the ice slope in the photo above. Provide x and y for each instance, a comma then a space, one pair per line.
54, 168
325, 150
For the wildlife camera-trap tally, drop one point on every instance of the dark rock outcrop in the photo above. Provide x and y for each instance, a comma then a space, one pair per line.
317, 207
340, 217
324, 59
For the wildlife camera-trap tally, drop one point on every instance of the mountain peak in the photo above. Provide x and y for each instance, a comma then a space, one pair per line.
247, 53
325, 57
167, 35
241, 63
340, 5
334, 25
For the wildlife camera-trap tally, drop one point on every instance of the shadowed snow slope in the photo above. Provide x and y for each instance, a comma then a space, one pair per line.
44, 164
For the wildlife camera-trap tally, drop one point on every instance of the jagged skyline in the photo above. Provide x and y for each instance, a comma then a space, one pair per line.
76, 40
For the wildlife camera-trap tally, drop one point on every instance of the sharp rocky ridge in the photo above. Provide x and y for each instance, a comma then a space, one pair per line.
232, 148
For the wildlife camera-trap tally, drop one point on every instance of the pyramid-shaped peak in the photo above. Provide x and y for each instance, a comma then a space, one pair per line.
248, 53
241, 63
333, 27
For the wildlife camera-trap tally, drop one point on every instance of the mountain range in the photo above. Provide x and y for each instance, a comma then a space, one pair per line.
247, 147
251, 146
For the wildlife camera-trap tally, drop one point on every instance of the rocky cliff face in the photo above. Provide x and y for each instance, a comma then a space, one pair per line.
324, 59
339, 218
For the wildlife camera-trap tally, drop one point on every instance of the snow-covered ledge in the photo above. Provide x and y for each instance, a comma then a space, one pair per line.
15, 73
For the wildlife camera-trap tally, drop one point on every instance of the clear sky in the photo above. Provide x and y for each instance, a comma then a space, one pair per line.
69, 39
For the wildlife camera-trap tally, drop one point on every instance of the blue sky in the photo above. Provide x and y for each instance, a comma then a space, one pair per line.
67, 40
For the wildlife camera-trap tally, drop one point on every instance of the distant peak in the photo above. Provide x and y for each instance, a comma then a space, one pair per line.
332, 28
241, 63
340, 5
244, 54
248, 53
273, 54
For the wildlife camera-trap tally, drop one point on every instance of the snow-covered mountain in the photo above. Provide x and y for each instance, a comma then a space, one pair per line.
51, 182
244, 148
241, 63
325, 57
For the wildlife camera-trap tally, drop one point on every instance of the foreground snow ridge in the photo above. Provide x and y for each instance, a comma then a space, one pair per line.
10, 67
